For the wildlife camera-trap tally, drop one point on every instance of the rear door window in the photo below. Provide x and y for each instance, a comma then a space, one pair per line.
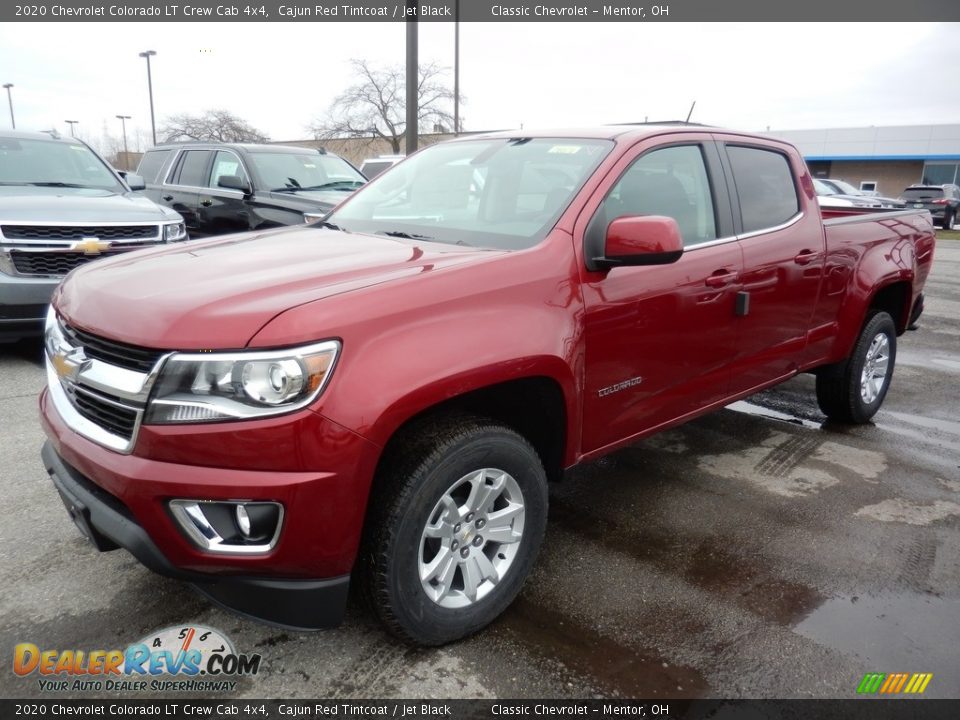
192, 171
151, 164
764, 180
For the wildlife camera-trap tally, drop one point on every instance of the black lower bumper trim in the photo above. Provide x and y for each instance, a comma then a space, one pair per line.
108, 524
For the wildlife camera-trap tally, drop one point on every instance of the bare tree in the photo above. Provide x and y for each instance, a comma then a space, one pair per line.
211, 126
375, 106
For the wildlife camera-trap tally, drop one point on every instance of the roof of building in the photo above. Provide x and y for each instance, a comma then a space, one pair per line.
894, 142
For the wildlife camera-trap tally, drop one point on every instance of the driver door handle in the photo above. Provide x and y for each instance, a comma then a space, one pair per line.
721, 278
805, 257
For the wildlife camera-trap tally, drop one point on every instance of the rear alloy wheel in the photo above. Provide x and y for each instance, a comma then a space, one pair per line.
949, 218
456, 522
852, 391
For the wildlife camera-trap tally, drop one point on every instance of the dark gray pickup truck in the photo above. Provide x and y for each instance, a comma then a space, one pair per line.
62, 205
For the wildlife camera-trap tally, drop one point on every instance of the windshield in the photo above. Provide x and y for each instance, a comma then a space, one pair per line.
502, 193
50, 163
306, 170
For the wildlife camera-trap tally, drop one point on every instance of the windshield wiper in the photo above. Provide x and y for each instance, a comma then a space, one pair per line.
325, 186
56, 184
335, 184
404, 235
332, 226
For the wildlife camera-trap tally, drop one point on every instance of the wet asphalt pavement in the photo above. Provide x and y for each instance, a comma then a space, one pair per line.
756, 552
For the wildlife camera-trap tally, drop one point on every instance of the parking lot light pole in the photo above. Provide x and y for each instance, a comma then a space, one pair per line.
13, 124
153, 125
72, 123
126, 153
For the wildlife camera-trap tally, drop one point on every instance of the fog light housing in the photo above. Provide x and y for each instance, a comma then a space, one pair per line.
243, 527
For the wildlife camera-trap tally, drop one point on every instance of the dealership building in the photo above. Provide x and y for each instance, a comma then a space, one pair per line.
881, 159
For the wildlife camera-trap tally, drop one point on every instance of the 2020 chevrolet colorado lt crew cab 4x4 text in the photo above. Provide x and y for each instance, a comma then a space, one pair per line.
386, 394
61, 206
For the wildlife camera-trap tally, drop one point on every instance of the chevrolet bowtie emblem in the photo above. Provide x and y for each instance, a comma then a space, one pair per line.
91, 245
69, 364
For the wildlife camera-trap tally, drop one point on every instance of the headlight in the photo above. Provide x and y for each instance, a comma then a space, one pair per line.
207, 387
174, 232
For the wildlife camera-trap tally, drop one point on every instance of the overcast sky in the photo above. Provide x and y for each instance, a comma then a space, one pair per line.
279, 76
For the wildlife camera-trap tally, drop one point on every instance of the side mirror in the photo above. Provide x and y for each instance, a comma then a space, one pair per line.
641, 240
233, 182
135, 182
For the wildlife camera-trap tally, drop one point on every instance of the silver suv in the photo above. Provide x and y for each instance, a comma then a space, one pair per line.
62, 205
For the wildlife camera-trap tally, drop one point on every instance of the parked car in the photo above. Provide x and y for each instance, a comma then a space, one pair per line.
386, 394
226, 187
62, 205
371, 167
841, 188
827, 197
941, 201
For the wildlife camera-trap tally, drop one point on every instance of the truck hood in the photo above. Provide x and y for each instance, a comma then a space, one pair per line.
216, 294
78, 205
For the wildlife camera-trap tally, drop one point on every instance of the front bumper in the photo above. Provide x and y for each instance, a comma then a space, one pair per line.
108, 524
300, 582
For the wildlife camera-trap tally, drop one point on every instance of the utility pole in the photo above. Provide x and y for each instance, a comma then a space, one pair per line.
126, 153
456, 67
413, 78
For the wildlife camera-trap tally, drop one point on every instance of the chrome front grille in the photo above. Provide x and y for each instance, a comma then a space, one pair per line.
99, 386
126, 356
109, 413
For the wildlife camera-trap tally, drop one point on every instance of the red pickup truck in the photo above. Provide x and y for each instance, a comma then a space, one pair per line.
388, 392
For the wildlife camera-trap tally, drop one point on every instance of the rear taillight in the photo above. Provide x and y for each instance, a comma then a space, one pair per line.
942, 201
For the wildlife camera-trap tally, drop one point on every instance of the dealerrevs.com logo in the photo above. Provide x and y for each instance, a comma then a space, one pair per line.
189, 659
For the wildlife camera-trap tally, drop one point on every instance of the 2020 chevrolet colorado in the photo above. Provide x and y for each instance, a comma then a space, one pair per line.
386, 394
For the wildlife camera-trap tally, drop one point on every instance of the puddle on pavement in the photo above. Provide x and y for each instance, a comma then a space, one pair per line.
706, 563
896, 632
753, 588
608, 664
743, 406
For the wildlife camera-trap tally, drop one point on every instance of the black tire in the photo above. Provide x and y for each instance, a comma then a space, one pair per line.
949, 217
839, 386
421, 468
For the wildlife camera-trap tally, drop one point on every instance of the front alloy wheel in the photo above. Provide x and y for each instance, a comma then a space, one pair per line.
471, 539
457, 517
